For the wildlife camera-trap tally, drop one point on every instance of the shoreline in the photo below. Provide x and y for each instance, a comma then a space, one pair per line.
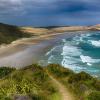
26, 42
24, 52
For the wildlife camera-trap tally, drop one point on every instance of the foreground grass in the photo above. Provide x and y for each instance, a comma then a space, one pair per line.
31, 82
34, 83
82, 85
55, 96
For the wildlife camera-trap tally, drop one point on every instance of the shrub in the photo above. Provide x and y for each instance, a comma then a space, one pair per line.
4, 71
31, 81
79, 77
58, 70
5, 98
33, 67
94, 96
97, 85
38, 97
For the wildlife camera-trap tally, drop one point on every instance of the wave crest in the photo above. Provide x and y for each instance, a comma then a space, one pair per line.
95, 43
89, 60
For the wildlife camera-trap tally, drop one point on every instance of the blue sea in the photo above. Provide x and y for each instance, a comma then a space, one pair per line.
79, 53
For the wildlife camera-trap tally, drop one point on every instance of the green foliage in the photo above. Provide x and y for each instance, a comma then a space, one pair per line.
5, 98
32, 81
58, 71
4, 71
97, 84
37, 97
9, 33
81, 84
79, 77
94, 96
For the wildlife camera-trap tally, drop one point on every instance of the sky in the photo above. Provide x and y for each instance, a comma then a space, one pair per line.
50, 12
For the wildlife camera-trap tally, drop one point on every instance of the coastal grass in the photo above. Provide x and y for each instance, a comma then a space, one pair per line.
5, 71
33, 82
55, 96
82, 85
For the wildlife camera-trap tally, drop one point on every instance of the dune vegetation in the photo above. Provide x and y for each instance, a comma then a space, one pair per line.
31, 82
9, 33
34, 83
82, 85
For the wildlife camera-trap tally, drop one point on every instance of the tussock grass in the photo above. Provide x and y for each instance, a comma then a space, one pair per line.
82, 85
33, 82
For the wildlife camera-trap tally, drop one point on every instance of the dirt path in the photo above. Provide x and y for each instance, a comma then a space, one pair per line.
62, 90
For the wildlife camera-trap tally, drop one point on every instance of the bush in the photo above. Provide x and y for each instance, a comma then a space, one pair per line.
33, 67
5, 71
94, 96
38, 97
79, 77
97, 85
31, 81
58, 70
40, 76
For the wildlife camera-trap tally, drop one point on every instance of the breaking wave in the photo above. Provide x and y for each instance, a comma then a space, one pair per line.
78, 53
95, 43
89, 60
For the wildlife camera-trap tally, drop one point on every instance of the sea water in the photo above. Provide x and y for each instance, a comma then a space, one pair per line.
79, 53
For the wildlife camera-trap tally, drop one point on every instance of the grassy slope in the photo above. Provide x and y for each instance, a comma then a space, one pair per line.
82, 85
33, 82
9, 33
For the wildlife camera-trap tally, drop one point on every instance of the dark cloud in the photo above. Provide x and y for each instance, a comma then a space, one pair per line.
50, 12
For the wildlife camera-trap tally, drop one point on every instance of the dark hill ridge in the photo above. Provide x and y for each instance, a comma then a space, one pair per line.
9, 33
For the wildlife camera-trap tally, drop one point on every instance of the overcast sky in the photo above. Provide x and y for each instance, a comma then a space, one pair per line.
50, 12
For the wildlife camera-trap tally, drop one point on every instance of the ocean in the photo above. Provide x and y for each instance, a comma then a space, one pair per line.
78, 53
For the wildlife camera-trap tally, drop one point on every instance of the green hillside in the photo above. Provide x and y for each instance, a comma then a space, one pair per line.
82, 85
31, 82
9, 33
34, 83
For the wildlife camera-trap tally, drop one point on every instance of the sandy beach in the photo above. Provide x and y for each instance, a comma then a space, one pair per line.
26, 51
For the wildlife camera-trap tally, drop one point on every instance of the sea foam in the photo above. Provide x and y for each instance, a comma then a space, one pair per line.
69, 54
69, 50
95, 43
89, 60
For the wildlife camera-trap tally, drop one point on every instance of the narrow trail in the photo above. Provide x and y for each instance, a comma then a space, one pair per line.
66, 95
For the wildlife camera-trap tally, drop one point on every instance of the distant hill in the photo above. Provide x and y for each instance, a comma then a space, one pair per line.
9, 33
